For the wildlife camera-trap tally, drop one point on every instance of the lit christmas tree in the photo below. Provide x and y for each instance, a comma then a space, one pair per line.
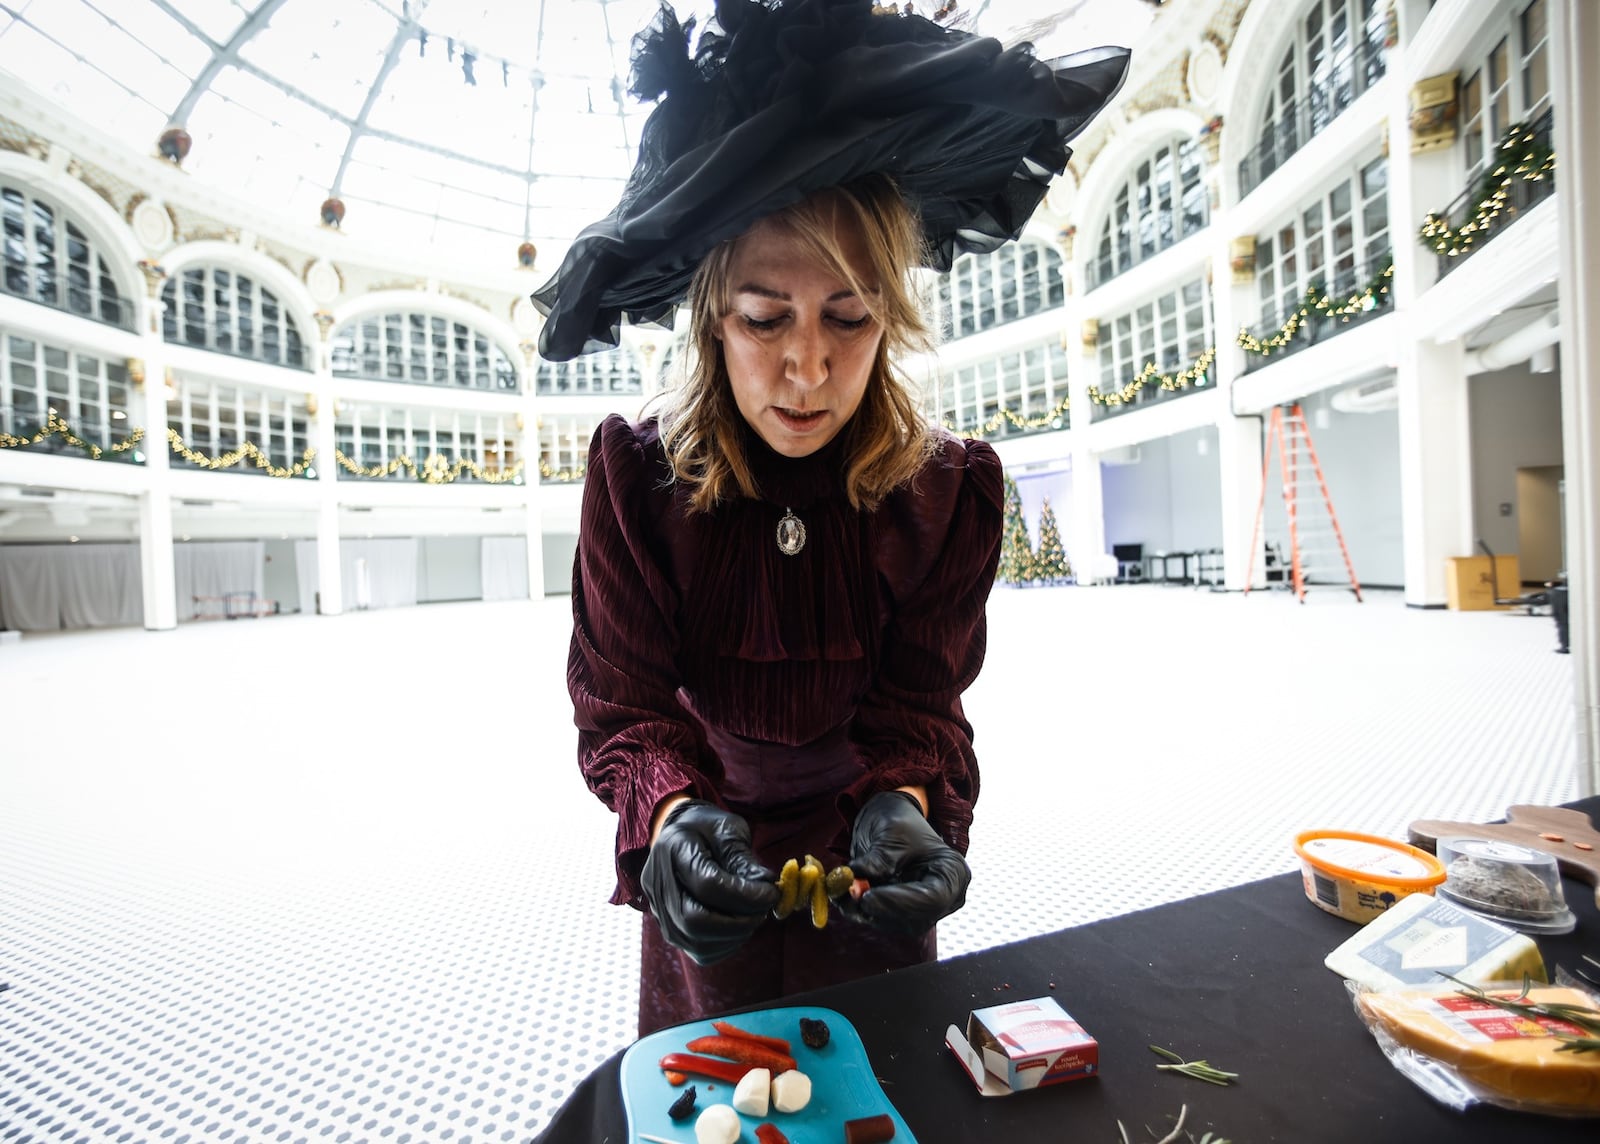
1050, 563
1016, 551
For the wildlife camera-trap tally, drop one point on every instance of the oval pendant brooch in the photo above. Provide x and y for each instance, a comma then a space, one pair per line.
791, 534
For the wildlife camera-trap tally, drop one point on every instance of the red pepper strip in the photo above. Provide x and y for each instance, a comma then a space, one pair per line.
728, 1029
747, 1052
770, 1134
729, 1071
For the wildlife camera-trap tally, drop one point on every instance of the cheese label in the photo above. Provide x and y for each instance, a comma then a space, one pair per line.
1367, 858
1480, 1023
1442, 938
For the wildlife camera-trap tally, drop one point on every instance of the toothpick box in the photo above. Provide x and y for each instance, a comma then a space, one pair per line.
1021, 1045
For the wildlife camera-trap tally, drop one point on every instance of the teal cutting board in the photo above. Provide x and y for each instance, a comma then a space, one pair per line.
843, 1086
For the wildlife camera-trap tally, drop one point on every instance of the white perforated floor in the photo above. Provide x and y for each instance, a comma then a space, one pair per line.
314, 879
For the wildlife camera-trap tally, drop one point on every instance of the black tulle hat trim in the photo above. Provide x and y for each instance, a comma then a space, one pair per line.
781, 99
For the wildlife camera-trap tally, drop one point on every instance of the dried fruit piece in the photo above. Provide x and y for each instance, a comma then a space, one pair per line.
869, 1130
683, 1106
814, 1032
770, 1134
788, 889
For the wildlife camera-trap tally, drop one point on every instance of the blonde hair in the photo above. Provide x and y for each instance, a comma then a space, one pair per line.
888, 440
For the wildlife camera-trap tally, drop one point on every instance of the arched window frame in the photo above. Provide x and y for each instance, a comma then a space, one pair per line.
229, 311
89, 392
50, 259
606, 371
983, 291
419, 347
564, 447
1162, 201
1336, 53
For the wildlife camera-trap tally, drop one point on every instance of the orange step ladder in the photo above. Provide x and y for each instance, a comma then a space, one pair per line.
1290, 437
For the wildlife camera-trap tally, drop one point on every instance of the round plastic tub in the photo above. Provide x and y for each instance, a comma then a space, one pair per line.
1359, 876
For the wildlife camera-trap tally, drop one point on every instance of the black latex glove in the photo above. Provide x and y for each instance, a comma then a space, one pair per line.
916, 879
705, 888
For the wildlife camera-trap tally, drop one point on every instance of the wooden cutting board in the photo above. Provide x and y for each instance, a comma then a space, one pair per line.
1552, 829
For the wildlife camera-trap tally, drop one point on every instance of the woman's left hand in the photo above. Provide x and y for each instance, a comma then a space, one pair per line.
916, 878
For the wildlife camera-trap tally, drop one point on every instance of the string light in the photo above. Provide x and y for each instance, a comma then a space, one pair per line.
435, 470
54, 426
1522, 156
1322, 304
1171, 382
1047, 420
237, 456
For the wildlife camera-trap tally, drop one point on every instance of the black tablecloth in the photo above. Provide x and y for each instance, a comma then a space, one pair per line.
1235, 977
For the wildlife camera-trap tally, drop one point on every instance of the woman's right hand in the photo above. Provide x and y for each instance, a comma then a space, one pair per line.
702, 881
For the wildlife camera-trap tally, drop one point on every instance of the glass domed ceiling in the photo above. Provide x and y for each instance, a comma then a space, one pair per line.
464, 125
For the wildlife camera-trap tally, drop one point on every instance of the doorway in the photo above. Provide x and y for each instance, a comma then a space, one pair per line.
1539, 523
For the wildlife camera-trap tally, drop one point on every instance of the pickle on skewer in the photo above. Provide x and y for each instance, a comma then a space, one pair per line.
788, 889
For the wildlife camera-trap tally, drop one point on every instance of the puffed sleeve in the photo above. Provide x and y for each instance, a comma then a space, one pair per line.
636, 743
910, 728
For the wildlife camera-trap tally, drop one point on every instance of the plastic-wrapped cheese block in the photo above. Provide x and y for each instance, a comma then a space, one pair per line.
1423, 936
1504, 1058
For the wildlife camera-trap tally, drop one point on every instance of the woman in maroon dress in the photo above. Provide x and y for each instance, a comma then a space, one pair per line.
781, 577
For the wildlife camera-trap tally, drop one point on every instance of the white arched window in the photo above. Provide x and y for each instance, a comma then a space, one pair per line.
1170, 332
212, 417
421, 349
987, 290
608, 371
1336, 53
50, 260
215, 308
1162, 202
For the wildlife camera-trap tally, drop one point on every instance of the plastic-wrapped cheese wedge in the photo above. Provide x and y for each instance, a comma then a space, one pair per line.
1504, 1058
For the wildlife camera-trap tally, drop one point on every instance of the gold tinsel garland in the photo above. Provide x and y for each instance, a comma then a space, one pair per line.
1041, 421
1322, 304
1521, 156
54, 426
1168, 381
233, 457
559, 475
435, 470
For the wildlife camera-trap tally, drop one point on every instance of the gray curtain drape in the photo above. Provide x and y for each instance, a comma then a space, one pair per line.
505, 568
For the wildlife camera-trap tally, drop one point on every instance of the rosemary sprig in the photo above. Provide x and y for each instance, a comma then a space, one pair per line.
1175, 1135
1200, 1070
1584, 1017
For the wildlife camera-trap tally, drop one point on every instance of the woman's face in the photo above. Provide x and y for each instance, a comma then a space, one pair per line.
798, 343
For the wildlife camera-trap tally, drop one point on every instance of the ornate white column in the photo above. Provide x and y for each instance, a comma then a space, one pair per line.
1575, 45
1233, 271
1088, 528
1430, 377
330, 577
156, 561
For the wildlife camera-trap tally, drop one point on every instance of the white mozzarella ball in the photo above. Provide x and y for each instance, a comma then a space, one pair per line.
751, 1094
718, 1124
791, 1091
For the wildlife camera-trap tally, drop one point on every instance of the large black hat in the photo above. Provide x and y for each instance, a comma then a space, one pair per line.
787, 97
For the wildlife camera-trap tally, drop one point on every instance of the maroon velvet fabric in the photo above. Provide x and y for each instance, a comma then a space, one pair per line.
788, 689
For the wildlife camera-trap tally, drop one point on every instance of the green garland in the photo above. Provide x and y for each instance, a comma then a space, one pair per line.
54, 426
1322, 304
1183, 379
1046, 420
1521, 154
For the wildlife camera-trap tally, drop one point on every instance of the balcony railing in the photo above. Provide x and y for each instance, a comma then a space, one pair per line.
28, 430
1157, 384
431, 469
1351, 296
1349, 78
1521, 174
1008, 423
69, 293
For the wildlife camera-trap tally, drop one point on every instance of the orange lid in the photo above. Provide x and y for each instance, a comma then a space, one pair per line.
1368, 858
